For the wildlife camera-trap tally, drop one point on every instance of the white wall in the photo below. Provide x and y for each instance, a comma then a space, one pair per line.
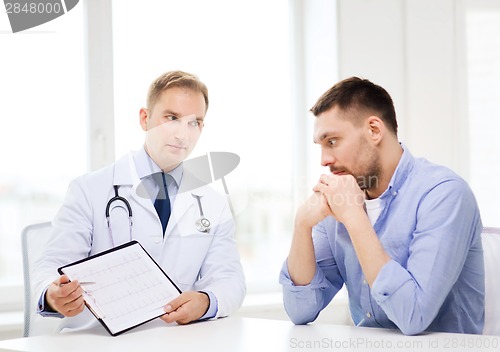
411, 48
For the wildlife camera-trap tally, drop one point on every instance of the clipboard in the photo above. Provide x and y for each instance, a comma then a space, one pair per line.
123, 287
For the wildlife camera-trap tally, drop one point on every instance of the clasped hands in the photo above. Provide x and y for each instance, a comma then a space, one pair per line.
334, 195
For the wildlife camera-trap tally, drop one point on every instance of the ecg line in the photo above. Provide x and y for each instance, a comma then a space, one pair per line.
128, 285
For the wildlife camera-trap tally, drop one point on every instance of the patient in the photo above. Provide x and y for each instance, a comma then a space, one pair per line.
401, 233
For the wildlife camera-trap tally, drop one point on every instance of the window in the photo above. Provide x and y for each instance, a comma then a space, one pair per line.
245, 60
483, 58
240, 50
42, 139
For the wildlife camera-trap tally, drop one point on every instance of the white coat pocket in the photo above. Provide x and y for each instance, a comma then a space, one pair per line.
191, 253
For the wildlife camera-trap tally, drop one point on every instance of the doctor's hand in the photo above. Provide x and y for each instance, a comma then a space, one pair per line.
65, 297
187, 307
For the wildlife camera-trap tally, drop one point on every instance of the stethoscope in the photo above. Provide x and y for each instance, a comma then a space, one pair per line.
118, 198
202, 224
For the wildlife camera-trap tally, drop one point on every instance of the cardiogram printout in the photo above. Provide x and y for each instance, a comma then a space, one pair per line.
123, 287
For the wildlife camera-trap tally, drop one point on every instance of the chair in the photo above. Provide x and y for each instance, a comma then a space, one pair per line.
34, 237
491, 246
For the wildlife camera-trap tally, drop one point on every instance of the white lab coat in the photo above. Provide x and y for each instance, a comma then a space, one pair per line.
193, 260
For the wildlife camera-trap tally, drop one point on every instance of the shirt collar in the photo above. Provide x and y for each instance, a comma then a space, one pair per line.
146, 166
401, 173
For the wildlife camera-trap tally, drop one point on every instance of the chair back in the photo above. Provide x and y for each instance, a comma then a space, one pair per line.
491, 247
34, 237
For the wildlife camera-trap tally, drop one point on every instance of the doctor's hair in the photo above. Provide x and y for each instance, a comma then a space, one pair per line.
177, 79
359, 98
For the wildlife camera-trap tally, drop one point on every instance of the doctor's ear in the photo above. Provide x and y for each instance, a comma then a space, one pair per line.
143, 118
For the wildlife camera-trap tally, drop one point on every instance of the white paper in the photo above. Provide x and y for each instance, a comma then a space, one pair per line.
124, 287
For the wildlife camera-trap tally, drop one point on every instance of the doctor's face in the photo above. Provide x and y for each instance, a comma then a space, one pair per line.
173, 126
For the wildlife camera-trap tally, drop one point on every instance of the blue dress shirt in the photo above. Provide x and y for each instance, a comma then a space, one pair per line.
431, 228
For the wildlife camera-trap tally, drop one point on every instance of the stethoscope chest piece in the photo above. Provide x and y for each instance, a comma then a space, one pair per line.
203, 225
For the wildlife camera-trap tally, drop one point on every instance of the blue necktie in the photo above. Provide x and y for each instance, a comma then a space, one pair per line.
162, 202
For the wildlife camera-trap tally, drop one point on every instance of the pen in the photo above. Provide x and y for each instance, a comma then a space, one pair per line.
87, 283
81, 283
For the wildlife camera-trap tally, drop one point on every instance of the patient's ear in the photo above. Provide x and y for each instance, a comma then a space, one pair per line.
375, 128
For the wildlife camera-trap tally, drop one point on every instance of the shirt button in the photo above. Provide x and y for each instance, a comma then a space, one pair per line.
157, 239
364, 282
368, 315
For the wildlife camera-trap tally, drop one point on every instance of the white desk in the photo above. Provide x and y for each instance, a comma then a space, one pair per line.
248, 334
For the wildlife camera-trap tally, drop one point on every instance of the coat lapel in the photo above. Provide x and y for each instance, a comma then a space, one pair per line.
184, 201
126, 175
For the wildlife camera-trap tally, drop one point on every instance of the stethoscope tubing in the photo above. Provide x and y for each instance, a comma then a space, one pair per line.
117, 197
202, 224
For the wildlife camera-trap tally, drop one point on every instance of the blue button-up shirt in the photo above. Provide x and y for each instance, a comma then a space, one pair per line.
431, 228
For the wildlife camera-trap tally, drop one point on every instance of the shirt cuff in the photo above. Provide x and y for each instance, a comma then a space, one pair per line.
319, 280
390, 278
46, 311
212, 307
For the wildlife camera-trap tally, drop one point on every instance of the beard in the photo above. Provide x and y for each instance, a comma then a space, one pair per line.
366, 168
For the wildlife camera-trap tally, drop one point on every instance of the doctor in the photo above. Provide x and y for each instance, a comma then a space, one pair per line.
202, 259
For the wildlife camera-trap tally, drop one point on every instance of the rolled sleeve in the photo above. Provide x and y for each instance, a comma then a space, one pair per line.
393, 290
390, 279
304, 303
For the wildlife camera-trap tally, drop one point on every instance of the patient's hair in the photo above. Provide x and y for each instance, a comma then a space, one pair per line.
358, 99
173, 79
